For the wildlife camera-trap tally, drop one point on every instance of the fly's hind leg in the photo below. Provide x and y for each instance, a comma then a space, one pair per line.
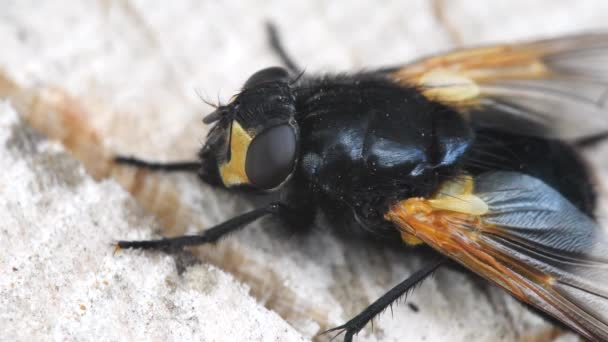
279, 49
352, 327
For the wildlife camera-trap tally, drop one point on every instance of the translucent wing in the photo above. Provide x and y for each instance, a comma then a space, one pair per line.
558, 87
519, 233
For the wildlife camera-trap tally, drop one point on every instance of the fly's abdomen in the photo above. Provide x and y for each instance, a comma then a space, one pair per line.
553, 161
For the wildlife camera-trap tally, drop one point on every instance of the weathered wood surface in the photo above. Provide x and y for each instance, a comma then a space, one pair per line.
126, 76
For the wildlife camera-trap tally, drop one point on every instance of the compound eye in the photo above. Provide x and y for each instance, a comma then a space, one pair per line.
272, 74
271, 157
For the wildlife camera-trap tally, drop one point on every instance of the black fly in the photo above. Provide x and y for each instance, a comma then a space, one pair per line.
473, 153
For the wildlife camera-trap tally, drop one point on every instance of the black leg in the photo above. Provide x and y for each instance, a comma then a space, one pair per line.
210, 235
352, 327
168, 167
591, 140
279, 49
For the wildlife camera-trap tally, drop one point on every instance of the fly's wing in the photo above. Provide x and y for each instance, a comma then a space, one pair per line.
554, 88
521, 234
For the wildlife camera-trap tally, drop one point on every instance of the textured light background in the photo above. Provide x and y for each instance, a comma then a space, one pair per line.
61, 279
138, 67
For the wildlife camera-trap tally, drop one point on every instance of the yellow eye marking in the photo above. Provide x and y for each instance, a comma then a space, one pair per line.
233, 172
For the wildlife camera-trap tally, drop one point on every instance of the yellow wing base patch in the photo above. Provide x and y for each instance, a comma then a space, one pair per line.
457, 78
453, 196
451, 222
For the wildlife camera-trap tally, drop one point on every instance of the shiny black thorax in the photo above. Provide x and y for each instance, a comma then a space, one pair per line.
366, 142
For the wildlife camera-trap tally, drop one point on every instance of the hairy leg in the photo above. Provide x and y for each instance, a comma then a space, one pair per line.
210, 235
357, 323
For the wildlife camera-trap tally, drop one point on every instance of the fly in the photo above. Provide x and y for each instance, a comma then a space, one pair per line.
474, 153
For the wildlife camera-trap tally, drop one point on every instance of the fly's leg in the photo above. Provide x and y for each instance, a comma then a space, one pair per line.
210, 235
189, 166
591, 140
352, 327
279, 49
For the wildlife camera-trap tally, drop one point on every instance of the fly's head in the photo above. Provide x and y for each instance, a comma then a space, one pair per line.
254, 142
